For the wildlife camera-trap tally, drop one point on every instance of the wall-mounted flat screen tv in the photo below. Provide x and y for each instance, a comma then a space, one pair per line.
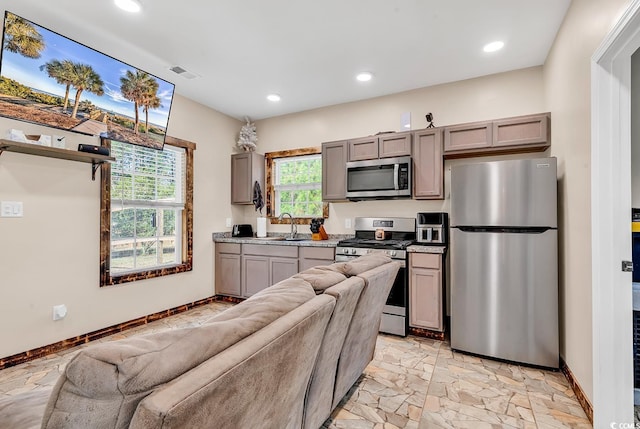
49, 79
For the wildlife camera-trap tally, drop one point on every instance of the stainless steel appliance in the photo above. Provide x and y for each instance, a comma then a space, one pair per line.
432, 228
504, 260
397, 234
379, 178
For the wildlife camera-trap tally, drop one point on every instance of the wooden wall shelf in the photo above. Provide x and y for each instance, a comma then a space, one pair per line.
53, 152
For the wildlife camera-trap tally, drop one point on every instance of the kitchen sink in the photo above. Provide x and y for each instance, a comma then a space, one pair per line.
295, 239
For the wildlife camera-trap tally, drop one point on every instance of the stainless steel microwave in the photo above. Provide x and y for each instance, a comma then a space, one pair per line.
379, 178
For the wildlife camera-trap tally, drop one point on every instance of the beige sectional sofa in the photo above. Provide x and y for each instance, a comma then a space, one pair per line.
283, 358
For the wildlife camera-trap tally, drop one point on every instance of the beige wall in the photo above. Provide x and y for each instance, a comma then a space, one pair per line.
496, 96
567, 82
51, 255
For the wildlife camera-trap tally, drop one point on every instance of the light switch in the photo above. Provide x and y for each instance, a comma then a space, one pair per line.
11, 209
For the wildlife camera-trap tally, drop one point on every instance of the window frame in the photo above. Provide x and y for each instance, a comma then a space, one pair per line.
270, 189
106, 279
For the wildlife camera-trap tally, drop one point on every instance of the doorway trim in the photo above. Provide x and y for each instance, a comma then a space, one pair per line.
611, 221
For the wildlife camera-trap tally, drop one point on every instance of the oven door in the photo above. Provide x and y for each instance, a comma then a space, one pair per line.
394, 314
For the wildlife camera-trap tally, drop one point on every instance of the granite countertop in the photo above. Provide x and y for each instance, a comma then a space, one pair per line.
417, 248
225, 237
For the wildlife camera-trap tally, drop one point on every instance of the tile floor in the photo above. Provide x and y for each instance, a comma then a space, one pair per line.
413, 383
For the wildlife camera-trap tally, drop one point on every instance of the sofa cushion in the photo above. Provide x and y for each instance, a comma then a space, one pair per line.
364, 263
321, 277
360, 342
103, 384
320, 393
257, 383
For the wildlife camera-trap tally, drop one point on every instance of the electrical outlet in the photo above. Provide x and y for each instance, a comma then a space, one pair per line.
11, 209
228, 222
347, 223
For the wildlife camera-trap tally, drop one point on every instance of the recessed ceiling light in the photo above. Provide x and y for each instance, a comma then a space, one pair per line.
493, 46
273, 97
364, 77
129, 5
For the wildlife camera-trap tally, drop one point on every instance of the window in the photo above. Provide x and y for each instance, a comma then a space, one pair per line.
297, 185
294, 184
146, 213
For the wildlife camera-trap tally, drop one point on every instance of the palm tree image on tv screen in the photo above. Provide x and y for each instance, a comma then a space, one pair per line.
49, 79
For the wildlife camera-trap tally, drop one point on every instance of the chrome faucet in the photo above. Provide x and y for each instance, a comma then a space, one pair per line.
294, 228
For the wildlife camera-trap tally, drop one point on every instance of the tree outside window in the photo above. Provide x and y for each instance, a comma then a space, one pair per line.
294, 184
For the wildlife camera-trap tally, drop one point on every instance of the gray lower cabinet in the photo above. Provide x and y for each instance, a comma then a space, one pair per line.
428, 176
314, 256
242, 270
227, 269
425, 291
334, 171
264, 265
282, 268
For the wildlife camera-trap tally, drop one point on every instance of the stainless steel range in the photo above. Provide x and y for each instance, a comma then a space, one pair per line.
390, 236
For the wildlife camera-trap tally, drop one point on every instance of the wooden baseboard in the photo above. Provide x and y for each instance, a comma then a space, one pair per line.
426, 333
39, 352
580, 395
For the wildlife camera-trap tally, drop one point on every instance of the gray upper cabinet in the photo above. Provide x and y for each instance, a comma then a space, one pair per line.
334, 171
428, 177
394, 144
528, 133
246, 169
465, 137
363, 148
521, 131
389, 145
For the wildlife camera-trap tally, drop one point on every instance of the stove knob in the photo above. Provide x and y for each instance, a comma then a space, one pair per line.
392, 253
353, 251
345, 251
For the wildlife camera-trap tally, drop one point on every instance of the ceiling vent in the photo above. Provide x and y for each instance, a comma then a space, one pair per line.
183, 72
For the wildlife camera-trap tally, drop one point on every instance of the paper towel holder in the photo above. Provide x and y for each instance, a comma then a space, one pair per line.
261, 227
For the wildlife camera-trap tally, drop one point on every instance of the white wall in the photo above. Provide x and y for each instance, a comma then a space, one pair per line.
635, 130
51, 255
507, 94
567, 82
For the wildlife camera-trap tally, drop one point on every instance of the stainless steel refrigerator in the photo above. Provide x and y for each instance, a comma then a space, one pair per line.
504, 260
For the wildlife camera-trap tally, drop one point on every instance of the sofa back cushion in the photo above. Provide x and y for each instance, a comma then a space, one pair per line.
364, 263
360, 342
320, 393
321, 277
258, 382
103, 384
